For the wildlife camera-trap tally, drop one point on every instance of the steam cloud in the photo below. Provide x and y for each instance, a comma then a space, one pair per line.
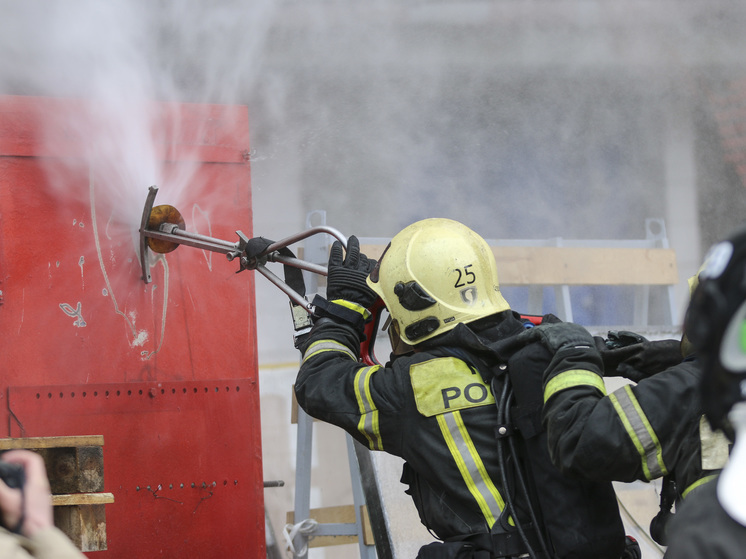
121, 56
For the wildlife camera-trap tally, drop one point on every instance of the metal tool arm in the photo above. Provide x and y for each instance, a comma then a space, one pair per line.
173, 234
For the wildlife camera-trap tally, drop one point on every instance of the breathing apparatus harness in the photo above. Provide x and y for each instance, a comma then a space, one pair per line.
504, 432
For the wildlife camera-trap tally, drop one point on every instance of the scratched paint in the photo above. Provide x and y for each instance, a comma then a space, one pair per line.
136, 338
23, 309
76, 313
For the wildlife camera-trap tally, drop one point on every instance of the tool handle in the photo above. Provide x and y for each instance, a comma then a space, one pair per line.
367, 347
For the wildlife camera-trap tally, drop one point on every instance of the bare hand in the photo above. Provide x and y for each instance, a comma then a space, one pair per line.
34, 506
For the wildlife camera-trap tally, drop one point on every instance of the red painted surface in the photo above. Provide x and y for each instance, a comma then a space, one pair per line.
75, 318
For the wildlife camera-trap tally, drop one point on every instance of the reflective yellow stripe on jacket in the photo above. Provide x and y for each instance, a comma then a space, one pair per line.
572, 378
698, 483
444, 396
640, 431
470, 465
368, 424
327, 345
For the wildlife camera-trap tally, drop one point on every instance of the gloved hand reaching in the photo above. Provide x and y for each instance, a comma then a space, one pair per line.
639, 358
347, 274
562, 335
554, 334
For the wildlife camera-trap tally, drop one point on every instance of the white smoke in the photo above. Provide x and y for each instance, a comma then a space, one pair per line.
121, 56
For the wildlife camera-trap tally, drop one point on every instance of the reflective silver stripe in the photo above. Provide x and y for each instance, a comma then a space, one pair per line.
368, 424
470, 465
327, 345
640, 431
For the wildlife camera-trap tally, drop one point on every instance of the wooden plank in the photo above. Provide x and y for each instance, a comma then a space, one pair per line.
74, 469
51, 442
84, 525
520, 265
585, 266
343, 514
368, 538
82, 499
294, 407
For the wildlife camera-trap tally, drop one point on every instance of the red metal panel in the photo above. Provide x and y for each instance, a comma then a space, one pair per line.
180, 458
74, 312
50, 127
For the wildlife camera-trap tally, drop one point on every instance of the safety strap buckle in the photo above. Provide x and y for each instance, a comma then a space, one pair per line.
324, 308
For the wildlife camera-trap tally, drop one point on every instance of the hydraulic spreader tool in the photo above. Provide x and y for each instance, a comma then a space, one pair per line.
162, 230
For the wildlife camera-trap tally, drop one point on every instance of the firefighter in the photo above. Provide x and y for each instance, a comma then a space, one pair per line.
480, 479
26, 512
712, 521
645, 431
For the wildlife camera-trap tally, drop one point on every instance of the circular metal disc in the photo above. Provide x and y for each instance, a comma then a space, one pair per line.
158, 216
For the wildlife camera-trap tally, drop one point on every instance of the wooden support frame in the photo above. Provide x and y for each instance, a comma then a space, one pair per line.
75, 468
338, 515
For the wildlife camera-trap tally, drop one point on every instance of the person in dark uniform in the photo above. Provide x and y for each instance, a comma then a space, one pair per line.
711, 523
653, 428
465, 420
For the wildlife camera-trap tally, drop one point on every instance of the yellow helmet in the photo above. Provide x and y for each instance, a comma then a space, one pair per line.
435, 274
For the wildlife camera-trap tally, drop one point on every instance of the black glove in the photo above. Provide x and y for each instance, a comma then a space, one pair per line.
347, 275
562, 335
618, 348
641, 360
553, 335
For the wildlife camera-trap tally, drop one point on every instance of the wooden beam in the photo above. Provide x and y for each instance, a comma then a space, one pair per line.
85, 525
533, 265
344, 514
82, 499
52, 442
585, 266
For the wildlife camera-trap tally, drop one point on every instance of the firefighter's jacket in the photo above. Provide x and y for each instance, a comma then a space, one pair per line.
637, 432
702, 529
432, 408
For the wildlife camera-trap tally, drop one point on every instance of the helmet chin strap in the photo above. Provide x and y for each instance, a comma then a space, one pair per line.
732, 483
